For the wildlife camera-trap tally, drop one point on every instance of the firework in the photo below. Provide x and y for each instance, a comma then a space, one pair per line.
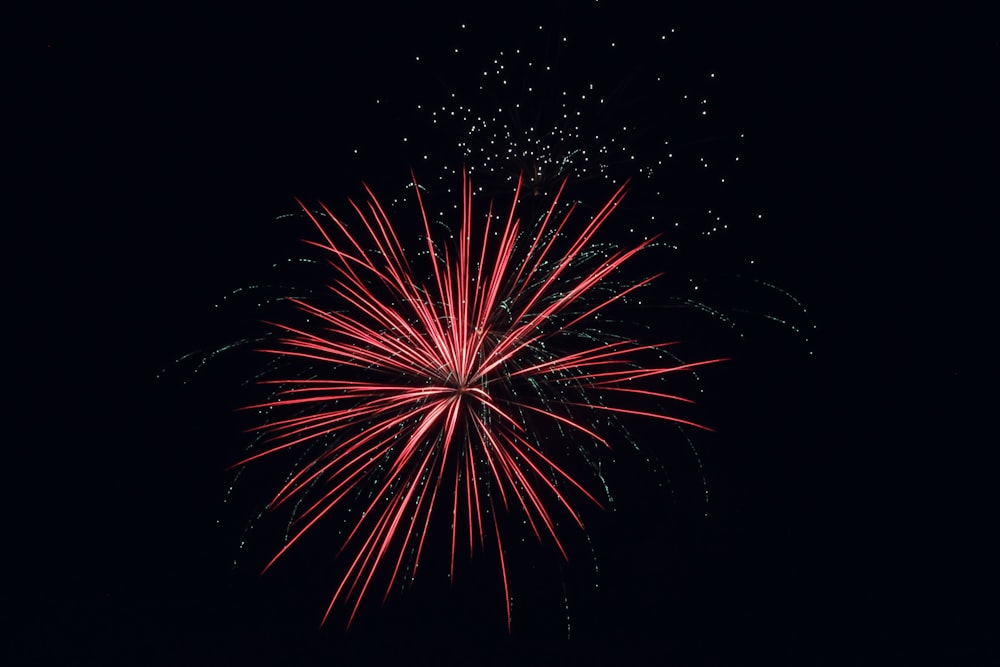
433, 386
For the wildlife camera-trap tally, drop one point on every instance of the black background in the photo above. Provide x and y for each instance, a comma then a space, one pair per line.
151, 149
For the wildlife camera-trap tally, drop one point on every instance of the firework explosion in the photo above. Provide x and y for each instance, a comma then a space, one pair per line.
418, 394
451, 396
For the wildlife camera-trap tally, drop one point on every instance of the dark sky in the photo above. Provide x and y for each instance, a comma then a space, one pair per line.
154, 148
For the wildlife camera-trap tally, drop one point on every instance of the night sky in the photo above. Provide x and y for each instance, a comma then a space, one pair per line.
151, 154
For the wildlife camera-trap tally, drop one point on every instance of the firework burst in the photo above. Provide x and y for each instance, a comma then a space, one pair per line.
425, 393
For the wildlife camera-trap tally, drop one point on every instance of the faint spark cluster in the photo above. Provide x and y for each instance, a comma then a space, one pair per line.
524, 115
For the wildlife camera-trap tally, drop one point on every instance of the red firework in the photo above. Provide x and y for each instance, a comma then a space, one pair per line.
421, 390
